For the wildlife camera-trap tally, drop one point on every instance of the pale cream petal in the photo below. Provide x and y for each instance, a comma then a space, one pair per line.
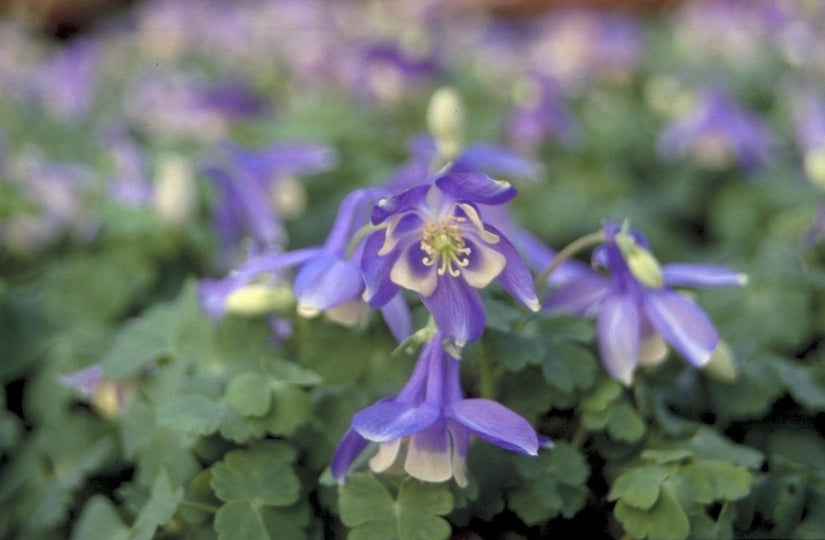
652, 350
490, 264
427, 465
487, 236
385, 457
403, 275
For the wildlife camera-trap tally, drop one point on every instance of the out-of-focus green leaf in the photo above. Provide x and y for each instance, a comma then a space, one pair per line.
192, 414
262, 475
249, 394
159, 509
639, 487
99, 520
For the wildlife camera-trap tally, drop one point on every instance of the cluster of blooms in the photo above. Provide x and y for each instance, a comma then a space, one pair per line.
444, 237
439, 231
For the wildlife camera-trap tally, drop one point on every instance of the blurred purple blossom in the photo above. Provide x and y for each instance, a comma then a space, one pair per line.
717, 132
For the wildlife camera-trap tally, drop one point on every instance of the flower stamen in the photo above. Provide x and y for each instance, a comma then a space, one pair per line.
443, 242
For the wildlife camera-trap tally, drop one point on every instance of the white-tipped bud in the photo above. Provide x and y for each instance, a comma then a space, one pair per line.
258, 299
175, 194
642, 264
445, 120
722, 365
815, 166
289, 197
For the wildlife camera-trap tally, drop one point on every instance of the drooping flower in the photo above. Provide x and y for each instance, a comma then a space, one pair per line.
637, 311
329, 278
426, 428
434, 242
717, 133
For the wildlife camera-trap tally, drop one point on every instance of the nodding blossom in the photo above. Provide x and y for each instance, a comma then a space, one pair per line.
426, 428
637, 311
434, 242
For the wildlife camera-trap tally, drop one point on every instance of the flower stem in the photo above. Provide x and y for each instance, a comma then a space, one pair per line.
360, 234
486, 377
571, 249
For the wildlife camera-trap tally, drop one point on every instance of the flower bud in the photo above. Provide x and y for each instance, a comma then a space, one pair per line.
815, 166
175, 190
258, 299
642, 264
445, 119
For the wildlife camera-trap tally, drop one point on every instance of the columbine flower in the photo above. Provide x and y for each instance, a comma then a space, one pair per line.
329, 279
717, 133
426, 428
637, 312
435, 243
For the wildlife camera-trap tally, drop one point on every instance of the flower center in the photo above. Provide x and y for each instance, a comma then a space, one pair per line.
442, 242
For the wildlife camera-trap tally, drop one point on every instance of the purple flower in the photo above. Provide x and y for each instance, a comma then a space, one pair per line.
637, 312
427, 426
328, 280
249, 181
386, 72
540, 113
577, 46
717, 132
435, 243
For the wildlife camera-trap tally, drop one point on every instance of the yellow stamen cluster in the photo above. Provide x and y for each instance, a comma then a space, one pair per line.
442, 241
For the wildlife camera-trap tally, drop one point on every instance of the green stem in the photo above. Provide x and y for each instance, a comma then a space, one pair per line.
360, 234
571, 249
579, 437
486, 377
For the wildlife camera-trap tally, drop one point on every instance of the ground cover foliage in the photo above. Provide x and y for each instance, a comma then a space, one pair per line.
133, 409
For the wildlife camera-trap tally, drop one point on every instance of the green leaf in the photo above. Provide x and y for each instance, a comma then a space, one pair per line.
249, 394
252, 521
159, 509
625, 424
730, 482
801, 384
261, 475
241, 428
290, 372
568, 366
639, 487
664, 520
141, 342
555, 479
514, 351
709, 444
370, 511
291, 408
362, 500
192, 414
99, 520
